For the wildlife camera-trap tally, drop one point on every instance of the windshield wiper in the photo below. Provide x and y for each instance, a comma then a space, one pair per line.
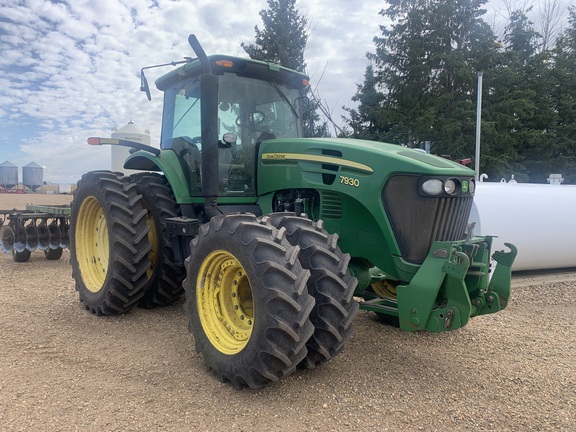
284, 98
184, 115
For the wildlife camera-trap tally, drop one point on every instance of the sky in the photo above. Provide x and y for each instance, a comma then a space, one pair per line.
69, 69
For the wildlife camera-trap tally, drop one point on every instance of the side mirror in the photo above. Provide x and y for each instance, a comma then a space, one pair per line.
144, 84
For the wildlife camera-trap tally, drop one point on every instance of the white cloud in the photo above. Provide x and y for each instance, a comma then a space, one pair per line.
69, 69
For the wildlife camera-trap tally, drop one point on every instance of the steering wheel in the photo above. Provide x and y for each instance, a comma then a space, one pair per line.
249, 120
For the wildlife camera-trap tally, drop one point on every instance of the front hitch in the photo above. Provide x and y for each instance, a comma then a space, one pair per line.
439, 299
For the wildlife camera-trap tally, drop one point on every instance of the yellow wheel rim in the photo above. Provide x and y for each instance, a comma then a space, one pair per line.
92, 246
384, 289
153, 240
225, 302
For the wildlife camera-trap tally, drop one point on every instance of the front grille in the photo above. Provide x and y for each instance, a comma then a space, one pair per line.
418, 221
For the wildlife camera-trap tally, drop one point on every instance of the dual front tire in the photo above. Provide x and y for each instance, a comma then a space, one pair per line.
247, 301
266, 295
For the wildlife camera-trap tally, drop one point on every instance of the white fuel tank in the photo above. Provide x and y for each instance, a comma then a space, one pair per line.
539, 219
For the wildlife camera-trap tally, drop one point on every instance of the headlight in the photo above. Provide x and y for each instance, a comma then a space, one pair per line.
450, 186
432, 186
472, 186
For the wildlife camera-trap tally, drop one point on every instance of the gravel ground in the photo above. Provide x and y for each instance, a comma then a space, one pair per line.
64, 369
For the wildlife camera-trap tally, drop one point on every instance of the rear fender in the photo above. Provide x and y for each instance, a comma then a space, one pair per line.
167, 162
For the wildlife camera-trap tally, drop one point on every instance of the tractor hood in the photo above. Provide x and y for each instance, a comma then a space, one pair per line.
425, 198
356, 156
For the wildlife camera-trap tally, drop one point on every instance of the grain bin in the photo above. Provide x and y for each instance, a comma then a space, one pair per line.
32, 175
129, 132
8, 175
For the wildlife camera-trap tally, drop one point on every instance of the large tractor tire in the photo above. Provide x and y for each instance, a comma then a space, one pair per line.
108, 243
330, 284
164, 276
247, 301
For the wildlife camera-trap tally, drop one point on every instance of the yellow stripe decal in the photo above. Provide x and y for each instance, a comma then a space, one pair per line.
315, 158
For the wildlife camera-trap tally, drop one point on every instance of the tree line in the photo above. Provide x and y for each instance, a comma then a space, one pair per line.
420, 86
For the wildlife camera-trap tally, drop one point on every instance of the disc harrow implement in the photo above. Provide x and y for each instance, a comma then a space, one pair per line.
41, 227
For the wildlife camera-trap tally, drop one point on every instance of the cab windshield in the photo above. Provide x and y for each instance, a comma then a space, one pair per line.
246, 107
249, 107
249, 112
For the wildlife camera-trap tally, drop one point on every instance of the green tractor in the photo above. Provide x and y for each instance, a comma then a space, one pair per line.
277, 239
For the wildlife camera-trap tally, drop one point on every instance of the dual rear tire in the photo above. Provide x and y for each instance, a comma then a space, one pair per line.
109, 245
165, 278
121, 254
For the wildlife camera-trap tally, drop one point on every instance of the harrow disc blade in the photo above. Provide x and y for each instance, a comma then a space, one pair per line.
6, 238
20, 239
55, 236
43, 236
31, 237
65, 239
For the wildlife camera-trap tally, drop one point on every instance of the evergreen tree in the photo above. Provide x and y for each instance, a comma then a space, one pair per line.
421, 86
425, 68
283, 38
520, 100
366, 121
283, 41
508, 101
563, 99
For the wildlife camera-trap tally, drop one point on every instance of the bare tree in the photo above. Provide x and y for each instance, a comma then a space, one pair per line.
550, 13
548, 16
499, 13
323, 106
523, 6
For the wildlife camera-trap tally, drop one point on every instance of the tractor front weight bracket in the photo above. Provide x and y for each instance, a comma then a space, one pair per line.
456, 312
416, 300
438, 298
499, 288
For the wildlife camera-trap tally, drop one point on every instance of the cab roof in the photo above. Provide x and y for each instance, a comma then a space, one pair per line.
240, 66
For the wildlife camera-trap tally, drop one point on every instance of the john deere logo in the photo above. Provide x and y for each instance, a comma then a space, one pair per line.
464, 186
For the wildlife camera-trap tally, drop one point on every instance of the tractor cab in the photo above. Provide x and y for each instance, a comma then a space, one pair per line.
221, 124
